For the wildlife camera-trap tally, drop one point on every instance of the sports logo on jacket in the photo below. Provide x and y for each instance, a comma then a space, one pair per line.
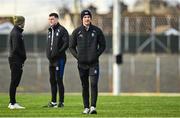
95, 71
57, 34
92, 34
80, 35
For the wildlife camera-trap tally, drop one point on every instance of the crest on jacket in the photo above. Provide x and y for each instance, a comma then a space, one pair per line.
92, 34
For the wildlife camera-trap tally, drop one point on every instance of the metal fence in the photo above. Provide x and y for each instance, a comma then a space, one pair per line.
157, 71
152, 28
138, 35
140, 73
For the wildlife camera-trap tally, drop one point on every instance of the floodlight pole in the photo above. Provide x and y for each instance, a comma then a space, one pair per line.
116, 47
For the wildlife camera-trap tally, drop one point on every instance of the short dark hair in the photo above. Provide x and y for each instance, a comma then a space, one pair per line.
54, 14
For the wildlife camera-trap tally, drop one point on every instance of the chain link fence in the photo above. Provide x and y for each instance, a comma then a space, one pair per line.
151, 60
151, 34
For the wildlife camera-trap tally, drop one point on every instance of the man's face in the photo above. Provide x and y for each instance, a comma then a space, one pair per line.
22, 25
52, 20
86, 20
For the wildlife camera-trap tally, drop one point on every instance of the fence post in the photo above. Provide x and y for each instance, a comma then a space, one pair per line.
179, 35
179, 66
7, 43
39, 69
153, 26
168, 37
110, 72
137, 33
157, 74
126, 26
132, 66
35, 45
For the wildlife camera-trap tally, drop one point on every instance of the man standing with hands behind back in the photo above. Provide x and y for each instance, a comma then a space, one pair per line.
86, 45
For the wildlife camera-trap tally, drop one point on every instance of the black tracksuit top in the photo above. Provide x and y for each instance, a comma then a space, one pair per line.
87, 45
60, 43
17, 52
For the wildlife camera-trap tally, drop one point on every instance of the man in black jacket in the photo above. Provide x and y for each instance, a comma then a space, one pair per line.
57, 44
17, 57
86, 45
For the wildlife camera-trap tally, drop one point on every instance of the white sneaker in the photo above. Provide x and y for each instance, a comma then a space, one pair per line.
92, 110
10, 106
15, 106
86, 111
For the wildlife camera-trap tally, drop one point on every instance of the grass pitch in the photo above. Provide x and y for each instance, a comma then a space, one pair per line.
107, 106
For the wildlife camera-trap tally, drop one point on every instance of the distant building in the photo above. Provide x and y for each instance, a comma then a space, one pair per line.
143, 11
154, 7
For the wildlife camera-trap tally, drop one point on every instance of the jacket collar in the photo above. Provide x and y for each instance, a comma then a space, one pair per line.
18, 28
54, 27
84, 28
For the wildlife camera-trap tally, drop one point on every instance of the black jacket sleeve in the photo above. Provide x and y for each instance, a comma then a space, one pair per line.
65, 39
101, 42
73, 44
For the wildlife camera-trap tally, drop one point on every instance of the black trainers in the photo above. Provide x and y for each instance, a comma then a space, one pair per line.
51, 105
92, 110
61, 104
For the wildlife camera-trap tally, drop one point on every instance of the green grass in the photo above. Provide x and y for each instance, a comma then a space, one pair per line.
107, 106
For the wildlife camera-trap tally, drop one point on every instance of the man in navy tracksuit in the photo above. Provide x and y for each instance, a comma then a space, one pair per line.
57, 44
86, 45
